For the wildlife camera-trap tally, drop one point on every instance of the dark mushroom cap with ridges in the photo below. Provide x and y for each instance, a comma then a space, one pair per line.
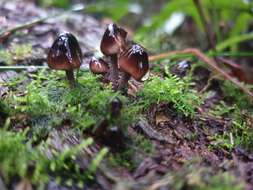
113, 40
98, 66
65, 53
134, 61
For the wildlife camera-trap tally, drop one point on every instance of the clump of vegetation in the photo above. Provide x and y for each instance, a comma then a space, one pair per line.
240, 132
15, 52
171, 89
84, 106
234, 95
20, 159
194, 176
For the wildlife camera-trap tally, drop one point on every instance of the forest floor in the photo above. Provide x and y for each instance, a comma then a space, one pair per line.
182, 129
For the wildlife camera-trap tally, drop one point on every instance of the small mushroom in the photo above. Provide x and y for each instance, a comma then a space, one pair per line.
133, 62
115, 107
98, 66
65, 54
112, 43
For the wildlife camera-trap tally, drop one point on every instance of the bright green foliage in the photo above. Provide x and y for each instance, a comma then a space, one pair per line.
171, 89
19, 159
49, 102
15, 154
15, 52
240, 132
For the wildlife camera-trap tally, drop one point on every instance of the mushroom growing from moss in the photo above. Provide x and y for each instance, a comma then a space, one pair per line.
133, 62
112, 43
98, 66
65, 54
115, 107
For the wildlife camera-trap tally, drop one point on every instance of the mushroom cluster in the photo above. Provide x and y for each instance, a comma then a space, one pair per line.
127, 59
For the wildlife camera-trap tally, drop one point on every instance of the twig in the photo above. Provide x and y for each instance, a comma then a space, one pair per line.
17, 68
8, 32
229, 63
150, 132
161, 183
208, 61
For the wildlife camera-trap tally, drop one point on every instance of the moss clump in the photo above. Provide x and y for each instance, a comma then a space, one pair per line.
239, 133
171, 89
19, 159
85, 106
15, 52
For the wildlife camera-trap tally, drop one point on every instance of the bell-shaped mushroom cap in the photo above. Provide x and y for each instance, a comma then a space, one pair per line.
134, 61
65, 53
113, 40
98, 66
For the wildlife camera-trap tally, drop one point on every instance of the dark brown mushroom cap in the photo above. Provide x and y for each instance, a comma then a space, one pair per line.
98, 66
65, 53
134, 61
113, 40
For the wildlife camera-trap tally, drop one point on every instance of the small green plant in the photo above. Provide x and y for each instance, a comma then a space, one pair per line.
19, 158
85, 105
239, 98
223, 181
240, 133
171, 89
15, 52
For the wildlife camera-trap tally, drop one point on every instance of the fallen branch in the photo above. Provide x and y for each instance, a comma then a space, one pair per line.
208, 61
148, 131
8, 32
17, 68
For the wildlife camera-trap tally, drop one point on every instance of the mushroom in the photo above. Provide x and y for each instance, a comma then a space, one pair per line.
112, 43
115, 107
133, 62
98, 66
65, 54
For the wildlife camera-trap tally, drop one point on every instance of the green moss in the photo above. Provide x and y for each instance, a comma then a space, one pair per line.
171, 89
240, 132
223, 181
20, 159
233, 94
194, 176
84, 105
15, 52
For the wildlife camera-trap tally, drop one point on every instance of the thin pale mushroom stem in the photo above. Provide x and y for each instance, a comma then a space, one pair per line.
114, 71
124, 81
207, 60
